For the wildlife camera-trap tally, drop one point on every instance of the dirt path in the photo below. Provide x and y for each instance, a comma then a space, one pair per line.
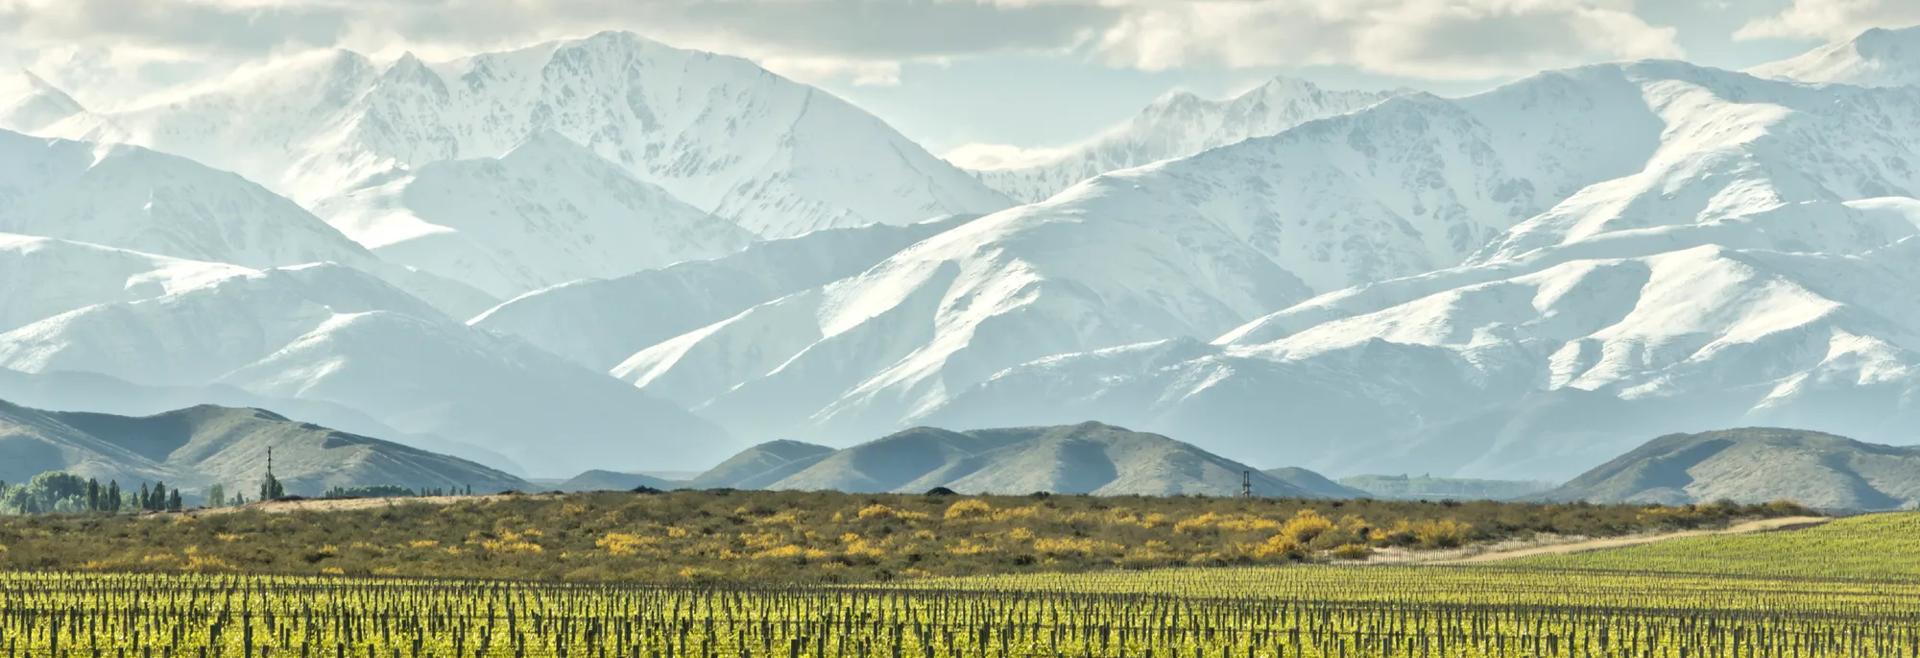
1498, 553
347, 504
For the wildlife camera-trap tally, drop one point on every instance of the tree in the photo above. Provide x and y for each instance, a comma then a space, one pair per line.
93, 495
52, 491
112, 503
173, 501
216, 495
270, 488
145, 495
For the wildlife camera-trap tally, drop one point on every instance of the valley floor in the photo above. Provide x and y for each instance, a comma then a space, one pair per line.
1702, 595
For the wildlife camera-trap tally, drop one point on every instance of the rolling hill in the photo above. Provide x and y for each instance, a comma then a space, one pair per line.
1089, 458
201, 446
1756, 465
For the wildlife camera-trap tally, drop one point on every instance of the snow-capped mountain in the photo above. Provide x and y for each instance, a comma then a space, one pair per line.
1176, 125
66, 275
1879, 57
720, 133
1614, 161
1189, 247
31, 105
329, 333
546, 213
600, 322
133, 198
1546, 372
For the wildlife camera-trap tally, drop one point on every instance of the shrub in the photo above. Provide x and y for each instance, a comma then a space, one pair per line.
1444, 533
1280, 546
968, 510
1305, 526
1351, 552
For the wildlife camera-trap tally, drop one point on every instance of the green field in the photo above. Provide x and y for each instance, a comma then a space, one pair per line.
1871, 547
1780, 595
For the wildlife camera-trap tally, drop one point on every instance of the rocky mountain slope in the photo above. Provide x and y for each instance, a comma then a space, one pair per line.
201, 446
1756, 465
1177, 125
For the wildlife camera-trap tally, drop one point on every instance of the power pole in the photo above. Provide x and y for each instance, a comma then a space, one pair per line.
1246, 484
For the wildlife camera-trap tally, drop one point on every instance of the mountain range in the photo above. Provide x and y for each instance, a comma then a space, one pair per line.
607, 253
720, 133
1176, 125
1085, 458
201, 446
1645, 236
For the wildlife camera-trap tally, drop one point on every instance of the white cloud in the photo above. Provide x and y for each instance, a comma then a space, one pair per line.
1435, 39
861, 73
1833, 20
861, 41
1001, 156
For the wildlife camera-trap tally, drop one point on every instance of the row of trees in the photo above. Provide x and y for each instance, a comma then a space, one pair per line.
55, 492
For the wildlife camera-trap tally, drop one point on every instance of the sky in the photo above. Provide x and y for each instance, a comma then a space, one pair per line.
966, 78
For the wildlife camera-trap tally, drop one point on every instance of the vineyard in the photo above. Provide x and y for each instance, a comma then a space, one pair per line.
1524, 609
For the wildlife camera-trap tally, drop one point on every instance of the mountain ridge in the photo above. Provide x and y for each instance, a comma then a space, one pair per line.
1086, 458
204, 445
1752, 465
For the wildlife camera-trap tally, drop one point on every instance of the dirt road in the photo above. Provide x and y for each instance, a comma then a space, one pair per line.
1578, 545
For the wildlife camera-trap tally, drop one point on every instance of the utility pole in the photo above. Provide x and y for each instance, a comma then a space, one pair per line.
1246, 484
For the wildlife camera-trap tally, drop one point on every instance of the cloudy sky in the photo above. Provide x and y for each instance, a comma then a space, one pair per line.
956, 74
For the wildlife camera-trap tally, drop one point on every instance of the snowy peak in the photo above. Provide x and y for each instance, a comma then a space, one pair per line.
32, 105
548, 212
1178, 124
1879, 57
70, 275
130, 197
719, 133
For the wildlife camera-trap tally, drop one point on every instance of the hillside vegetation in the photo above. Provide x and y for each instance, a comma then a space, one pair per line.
793, 537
